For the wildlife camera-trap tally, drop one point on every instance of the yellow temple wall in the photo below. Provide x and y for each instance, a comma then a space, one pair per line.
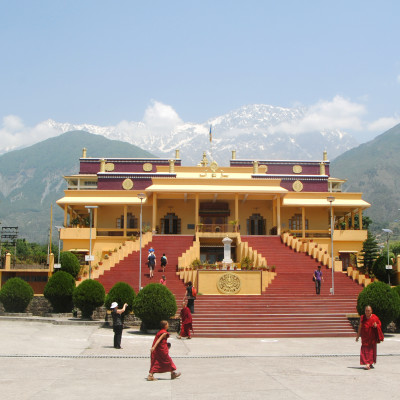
183, 210
251, 282
250, 207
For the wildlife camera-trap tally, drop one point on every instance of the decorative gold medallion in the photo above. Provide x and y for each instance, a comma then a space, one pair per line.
266, 168
297, 186
109, 167
229, 283
127, 184
297, 169
214, 166
147, 167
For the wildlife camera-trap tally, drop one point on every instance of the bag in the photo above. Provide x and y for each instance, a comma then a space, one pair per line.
194, 292
313, 278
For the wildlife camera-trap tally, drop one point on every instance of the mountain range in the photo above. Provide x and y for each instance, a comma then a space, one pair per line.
254, 131
32, 178
373, 168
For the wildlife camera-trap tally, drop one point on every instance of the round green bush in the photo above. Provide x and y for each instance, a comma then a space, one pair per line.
88, 296
385, 302
69, 263
16, 294
154, 303
59, 291
122, 293
380, 271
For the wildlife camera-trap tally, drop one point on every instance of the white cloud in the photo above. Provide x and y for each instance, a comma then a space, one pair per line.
161, 117
339, 113
14, 134
383, 124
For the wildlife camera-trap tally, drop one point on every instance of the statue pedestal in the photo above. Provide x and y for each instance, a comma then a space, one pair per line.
227, 251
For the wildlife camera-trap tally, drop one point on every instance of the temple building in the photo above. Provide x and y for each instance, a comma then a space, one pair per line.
209, 202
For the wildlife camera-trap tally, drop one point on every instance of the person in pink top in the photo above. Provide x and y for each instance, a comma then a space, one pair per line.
163, 280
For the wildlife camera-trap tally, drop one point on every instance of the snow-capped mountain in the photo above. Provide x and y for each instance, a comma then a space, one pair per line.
254, 131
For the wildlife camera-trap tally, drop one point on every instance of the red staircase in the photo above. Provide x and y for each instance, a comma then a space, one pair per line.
288, 308
127, 270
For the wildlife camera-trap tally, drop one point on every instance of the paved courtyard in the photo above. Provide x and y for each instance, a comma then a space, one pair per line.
46, 361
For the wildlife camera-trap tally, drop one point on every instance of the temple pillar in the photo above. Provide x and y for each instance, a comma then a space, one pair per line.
278, 215
236, 207
346, 222
95, 214
196, 210
125, 219
274, 212
360, 224
352, 220
154, 215
65, 214
303, 222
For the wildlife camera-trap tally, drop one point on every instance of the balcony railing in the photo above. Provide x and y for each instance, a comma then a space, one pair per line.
216, 228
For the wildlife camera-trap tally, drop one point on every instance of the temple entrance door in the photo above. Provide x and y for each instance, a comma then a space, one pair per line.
171, 224
345, 259
256, 225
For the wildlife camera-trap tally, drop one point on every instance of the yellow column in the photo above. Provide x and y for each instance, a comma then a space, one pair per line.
196, 210
274, 212
154, 217
125, 219
236, 207
360, 219
352, 220
278, 215
303, 222
95, 214
65, 214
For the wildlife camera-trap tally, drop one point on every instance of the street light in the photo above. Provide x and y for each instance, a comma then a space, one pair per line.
388, 266
141, 196
331, 199
59, 244
90, 258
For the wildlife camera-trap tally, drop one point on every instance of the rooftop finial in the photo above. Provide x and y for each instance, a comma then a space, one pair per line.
84, 152
325, 157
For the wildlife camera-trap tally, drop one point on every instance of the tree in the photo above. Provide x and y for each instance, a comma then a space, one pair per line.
59, 290
16, 294
122, 293
384, 301
379, 268
154, 303
88, 296
70, 263
369, 253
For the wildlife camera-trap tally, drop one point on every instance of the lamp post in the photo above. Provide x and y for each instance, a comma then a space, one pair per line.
331, 199
388, 266
141, 196
59, 245
90, 208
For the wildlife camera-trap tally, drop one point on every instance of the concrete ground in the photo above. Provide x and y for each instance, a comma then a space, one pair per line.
44, 361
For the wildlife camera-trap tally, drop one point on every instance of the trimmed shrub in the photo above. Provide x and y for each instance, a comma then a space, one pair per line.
380, 271
59, 290
385, 302
154, 303
122, 293
69, 263
88, 296
16, 294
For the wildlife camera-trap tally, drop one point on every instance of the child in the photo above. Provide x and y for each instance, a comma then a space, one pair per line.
186, 321
163, 280
160, 359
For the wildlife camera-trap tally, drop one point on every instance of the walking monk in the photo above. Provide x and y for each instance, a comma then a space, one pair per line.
371, 333
160, 359
186, 321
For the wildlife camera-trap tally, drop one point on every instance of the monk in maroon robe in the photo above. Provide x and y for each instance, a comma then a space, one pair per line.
160, 359
186, 321
371, 333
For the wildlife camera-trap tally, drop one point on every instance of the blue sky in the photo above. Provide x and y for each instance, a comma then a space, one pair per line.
103, 62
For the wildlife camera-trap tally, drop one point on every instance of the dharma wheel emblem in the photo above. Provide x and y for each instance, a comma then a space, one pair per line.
297, 169
229, 283
109, 167
127, 184
297, 186
147, 167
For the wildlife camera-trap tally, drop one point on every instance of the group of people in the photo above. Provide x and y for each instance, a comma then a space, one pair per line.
152, 261
369, 330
